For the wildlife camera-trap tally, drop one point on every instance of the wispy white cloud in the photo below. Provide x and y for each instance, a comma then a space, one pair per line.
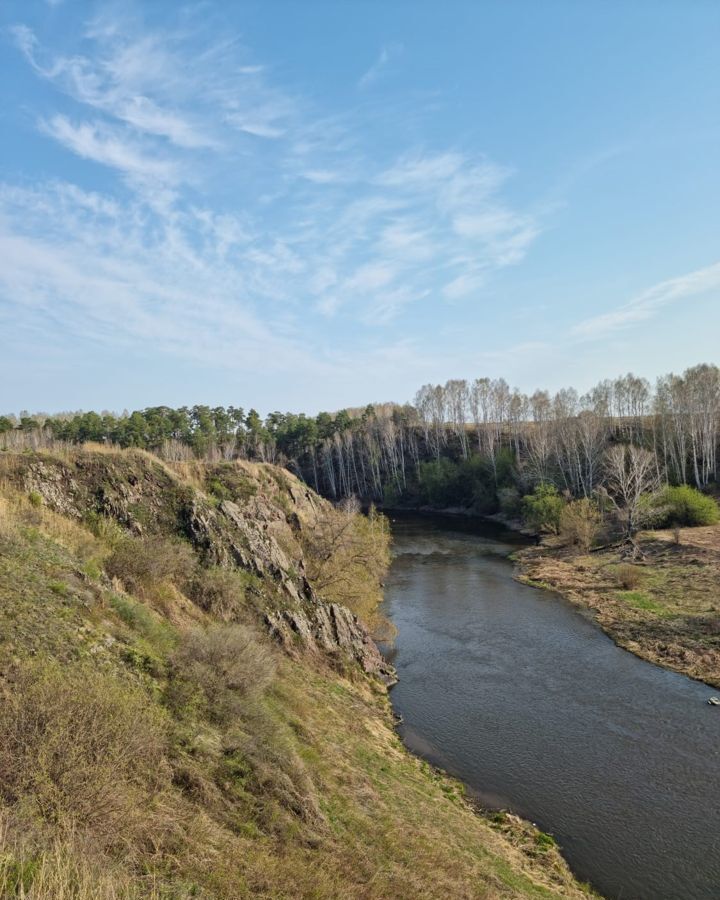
650, 303
469, 282
71, 256
257, 123
388, 52
139, 78
101, 144
322, 176
423, 170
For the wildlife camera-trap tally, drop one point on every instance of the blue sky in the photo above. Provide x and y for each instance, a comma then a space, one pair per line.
310, 205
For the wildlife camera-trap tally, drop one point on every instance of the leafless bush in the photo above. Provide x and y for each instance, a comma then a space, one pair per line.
138, 562
219, 669
628, 576
220, 592
631, 475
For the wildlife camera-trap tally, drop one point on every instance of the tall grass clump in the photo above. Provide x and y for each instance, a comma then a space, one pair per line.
65, 869
628, 576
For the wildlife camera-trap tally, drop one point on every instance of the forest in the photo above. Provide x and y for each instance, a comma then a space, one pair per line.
475, 444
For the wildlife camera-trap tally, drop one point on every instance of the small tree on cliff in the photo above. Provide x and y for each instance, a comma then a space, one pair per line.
347, 555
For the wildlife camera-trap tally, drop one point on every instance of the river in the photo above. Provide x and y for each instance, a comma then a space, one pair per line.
524, 699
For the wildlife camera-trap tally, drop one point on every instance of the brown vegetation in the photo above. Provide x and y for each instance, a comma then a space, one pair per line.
218, 669
347, 556
84, 753
141, 562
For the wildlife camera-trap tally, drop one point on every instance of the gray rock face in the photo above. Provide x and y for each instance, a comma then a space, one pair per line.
330, 629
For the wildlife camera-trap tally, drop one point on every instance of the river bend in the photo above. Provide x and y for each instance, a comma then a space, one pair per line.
520, 696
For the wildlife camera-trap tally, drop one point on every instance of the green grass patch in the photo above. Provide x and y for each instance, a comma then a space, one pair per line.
640, 600
140, 619
92, 569
536, 583
544, 841
60, 588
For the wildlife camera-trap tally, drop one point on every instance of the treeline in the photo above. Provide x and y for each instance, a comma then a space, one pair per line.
458, 444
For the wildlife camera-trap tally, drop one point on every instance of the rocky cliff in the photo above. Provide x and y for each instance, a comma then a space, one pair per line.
240, 515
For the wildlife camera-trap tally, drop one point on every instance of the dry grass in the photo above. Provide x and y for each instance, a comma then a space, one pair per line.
218, 669
19, 510
67, 869
85, 753
142, 562
705, 537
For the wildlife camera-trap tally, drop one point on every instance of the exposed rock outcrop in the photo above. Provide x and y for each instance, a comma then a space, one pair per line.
330, 628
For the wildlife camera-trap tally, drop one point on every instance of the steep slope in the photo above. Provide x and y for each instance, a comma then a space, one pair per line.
157, 742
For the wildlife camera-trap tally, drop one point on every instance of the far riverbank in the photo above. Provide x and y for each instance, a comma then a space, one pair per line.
665, 609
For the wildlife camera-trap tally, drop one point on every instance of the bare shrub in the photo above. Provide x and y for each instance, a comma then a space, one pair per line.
219, 669
580, 522
220, 592
631, 475
629, 576
83, 752
139, 562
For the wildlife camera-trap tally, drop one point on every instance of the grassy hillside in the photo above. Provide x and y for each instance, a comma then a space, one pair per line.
158, 743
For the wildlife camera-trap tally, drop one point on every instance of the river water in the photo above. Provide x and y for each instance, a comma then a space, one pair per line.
519, 695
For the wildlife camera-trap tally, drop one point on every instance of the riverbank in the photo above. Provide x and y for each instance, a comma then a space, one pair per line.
665, 609
461, 512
